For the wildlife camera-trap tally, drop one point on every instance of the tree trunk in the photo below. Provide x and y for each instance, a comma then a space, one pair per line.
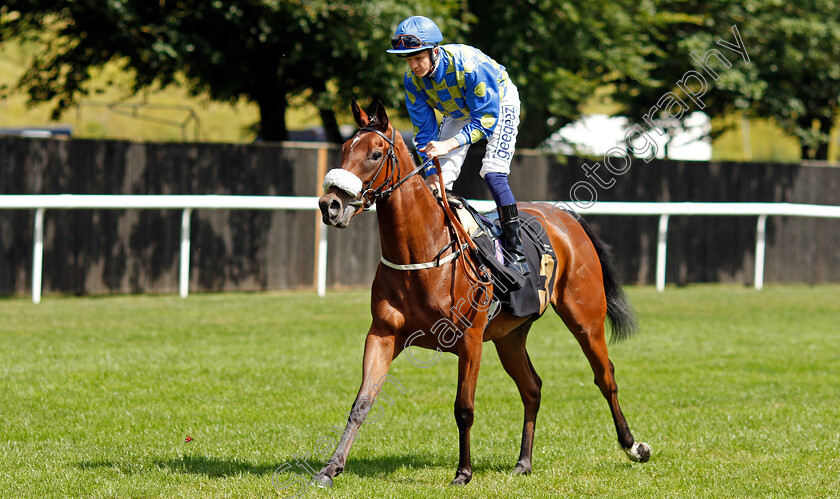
532, 129
822, 148
273, 116
806, 150
822, 151
328, 121
331, 130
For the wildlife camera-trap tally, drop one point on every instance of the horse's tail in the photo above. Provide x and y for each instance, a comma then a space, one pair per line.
619, 310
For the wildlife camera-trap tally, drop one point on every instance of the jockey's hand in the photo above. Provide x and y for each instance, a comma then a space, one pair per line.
437, 148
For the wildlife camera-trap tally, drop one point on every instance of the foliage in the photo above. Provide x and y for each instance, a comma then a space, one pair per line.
559, 52
263, 51
792, 76
797, 51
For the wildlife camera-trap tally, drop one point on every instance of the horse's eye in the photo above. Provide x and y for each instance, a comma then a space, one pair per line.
376, 155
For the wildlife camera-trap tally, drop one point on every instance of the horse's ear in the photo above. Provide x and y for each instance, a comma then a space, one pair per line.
360, 116
381, 115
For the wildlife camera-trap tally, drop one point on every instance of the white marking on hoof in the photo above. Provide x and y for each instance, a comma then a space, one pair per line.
322, 481
638, 452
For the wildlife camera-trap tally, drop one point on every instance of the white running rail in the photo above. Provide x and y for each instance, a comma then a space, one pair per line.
43, 202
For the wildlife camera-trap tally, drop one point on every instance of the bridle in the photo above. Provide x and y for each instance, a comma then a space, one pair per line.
462, 239
369, 196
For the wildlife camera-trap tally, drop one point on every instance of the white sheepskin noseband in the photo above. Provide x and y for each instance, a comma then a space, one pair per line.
344, 180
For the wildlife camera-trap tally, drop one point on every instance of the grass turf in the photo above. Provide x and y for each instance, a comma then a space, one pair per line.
735, 390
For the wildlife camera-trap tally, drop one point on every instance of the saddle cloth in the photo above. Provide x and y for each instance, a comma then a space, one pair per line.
521, 296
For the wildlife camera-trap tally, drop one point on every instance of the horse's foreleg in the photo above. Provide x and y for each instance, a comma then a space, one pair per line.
469, 360
380, 350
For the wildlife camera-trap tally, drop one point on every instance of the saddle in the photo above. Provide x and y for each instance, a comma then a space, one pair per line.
522, 296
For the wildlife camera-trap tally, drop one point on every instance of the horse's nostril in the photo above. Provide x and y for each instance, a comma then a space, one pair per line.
335, 208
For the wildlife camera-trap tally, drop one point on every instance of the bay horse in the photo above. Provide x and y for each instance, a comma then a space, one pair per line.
413, 230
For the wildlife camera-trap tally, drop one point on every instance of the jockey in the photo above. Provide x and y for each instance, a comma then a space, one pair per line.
477, 100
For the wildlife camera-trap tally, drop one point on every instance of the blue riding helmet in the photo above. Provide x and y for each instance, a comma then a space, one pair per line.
415, 34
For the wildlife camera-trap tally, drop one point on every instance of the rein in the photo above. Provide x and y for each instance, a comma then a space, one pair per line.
479, 276
369, 196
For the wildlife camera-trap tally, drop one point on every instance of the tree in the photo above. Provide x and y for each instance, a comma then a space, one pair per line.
559, 52
792, 76
796, 52
672, 29
261, 50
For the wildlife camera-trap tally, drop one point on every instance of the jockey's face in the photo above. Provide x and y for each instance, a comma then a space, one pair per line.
421, 63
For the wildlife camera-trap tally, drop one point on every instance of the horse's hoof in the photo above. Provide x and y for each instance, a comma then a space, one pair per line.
461, 479
638, 452
521, 469
322, 481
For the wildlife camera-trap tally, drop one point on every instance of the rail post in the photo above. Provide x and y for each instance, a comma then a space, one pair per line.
320, 229
184, 274
760, 245
38, 256
661, 252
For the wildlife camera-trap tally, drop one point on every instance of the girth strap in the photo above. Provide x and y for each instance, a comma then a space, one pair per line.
421, 266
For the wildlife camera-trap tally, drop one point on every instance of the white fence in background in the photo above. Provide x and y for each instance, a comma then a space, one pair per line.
41, 203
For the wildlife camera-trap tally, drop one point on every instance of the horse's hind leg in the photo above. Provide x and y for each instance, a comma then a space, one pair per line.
515, 360
585, 319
